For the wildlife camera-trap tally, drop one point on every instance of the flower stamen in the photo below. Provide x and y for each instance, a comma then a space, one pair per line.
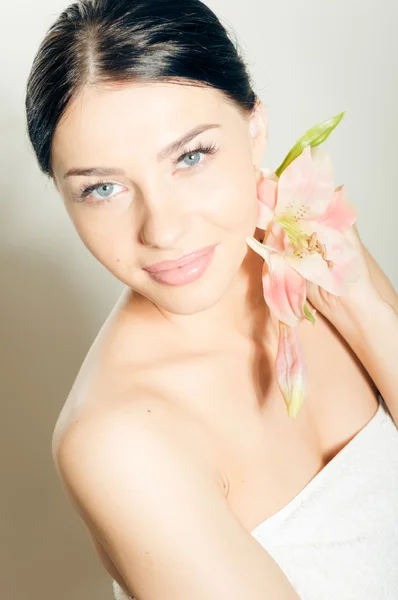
302, 243
312, 242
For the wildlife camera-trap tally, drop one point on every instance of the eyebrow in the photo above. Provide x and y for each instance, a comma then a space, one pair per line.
162, 155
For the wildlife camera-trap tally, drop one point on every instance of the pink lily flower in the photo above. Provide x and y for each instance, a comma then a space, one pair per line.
290, 369
304, 218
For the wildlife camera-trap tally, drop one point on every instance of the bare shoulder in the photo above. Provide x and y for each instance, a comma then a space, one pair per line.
141, 481
144, 420
125, 436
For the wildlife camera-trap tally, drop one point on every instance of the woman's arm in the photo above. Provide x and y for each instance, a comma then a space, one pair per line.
380, 280
371, 329
140, 479
373, 334
367, 317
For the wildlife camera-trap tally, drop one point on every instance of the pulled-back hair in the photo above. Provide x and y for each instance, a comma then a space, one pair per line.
105, 42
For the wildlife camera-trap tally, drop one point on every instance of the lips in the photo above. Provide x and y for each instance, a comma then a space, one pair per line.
166, 265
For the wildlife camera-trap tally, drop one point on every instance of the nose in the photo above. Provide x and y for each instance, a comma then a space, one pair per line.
163, 226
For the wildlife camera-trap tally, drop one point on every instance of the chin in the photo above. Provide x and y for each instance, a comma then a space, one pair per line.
187, 306
200, 295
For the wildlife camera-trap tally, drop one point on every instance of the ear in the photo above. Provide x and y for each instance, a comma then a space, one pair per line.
259, 132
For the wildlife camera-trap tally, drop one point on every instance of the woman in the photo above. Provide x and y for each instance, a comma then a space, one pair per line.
174, 444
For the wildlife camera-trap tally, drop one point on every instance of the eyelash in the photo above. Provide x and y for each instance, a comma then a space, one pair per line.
85, 190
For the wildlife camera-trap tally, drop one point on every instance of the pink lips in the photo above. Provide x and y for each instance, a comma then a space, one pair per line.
166, 265
186, 270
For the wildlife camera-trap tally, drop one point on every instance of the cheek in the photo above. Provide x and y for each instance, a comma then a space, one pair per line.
233, 203
228, 191
104, 237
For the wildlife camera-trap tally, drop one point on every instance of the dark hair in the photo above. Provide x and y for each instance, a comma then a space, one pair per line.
100, 42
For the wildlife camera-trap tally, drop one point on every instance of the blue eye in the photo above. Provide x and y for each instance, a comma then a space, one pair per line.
210, 149
197, 153
100, 189
86, 191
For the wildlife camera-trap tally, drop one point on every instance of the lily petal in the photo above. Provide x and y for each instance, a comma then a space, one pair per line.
264, 215
269, 173
344, 256
341, 213
261, 249
278, 240
345, 259
290, 369
306, 186
284, 290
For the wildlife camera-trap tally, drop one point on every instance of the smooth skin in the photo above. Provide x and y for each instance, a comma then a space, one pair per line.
174, 435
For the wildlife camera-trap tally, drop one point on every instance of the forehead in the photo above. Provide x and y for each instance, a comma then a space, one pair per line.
133, 118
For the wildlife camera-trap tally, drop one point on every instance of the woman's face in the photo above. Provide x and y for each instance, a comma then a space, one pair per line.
158, 206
